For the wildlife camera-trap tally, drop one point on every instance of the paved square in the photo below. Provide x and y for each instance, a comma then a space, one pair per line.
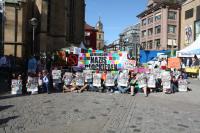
102, 113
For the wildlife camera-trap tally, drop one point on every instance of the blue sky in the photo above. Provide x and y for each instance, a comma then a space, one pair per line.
116, 15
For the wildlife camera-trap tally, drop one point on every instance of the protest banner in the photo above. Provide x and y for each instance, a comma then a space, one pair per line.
151, 82
67, 78
110, 79
97, 79
32, 84
100, 60
16, 87
123, 78
182, 85
79, 79
174, 63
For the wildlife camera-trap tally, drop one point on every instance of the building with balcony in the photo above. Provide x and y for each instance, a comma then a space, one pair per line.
159, 26
190, 22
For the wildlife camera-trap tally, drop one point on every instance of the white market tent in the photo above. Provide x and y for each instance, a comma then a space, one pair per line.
191, 50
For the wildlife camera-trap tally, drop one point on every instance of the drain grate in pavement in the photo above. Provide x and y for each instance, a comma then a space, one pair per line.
133, 126
110, 131
137, 130
77, 110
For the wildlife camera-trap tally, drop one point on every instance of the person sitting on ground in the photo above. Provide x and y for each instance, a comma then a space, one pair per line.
174, 84
123, 82
67, 79
142, 82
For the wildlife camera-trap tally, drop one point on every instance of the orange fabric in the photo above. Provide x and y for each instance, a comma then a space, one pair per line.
103, 76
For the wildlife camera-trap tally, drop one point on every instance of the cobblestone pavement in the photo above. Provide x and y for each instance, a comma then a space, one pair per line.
102, 113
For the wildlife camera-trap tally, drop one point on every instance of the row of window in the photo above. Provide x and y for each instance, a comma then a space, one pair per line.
149, 32
151, 45
171, 15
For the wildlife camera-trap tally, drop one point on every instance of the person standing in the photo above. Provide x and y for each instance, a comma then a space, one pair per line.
45, 81
163, 64
32, 65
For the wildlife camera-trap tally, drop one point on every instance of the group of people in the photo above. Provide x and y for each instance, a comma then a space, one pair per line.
124, 81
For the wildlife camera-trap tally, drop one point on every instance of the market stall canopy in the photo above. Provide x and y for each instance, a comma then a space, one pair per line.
191, 50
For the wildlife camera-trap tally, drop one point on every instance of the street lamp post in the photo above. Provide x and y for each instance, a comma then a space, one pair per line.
34, 23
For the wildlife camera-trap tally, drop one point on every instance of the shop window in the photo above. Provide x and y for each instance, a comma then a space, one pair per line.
197, 29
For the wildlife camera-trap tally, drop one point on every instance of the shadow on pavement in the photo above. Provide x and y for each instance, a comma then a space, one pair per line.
5, 107
6, 120
10, 96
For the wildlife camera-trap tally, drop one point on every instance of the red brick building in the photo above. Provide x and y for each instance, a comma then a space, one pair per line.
90, 36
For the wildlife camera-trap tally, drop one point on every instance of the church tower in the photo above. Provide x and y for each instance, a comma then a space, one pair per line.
100, 34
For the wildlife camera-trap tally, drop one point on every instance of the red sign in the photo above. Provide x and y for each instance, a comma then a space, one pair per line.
72, 60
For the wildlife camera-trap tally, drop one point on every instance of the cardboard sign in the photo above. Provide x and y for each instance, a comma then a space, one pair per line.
151, 82
79, 79
32, 84
123, 78
56, 74
16, 87
110, 79
67, 78
182, 85
174, 63
142, 80
87, 74
166, 79
97, 79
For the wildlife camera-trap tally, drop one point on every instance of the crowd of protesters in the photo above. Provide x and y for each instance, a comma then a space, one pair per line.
136, 81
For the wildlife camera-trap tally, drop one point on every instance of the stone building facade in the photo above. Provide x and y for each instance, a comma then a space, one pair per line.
60, 24
160, 25
190, 22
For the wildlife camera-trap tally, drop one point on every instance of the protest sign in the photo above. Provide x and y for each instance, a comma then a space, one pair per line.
123, 78
79, 79
32, 84
182, 85
174, 63
110, 79
16, 87
87, 75
151, 82
130, 64
97, 79
56, 76
142, 80
166, 79
67, 78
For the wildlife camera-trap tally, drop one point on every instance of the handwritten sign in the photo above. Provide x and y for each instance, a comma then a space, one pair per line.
182, 85
32, 84
97, 79
16, 87
123, 78
174, 63
67, 78
79, 79
110, 79
151, 82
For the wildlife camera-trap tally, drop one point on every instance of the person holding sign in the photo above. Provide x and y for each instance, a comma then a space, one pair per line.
142, 82
56, 76
123, 81
67, 78
45, 81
